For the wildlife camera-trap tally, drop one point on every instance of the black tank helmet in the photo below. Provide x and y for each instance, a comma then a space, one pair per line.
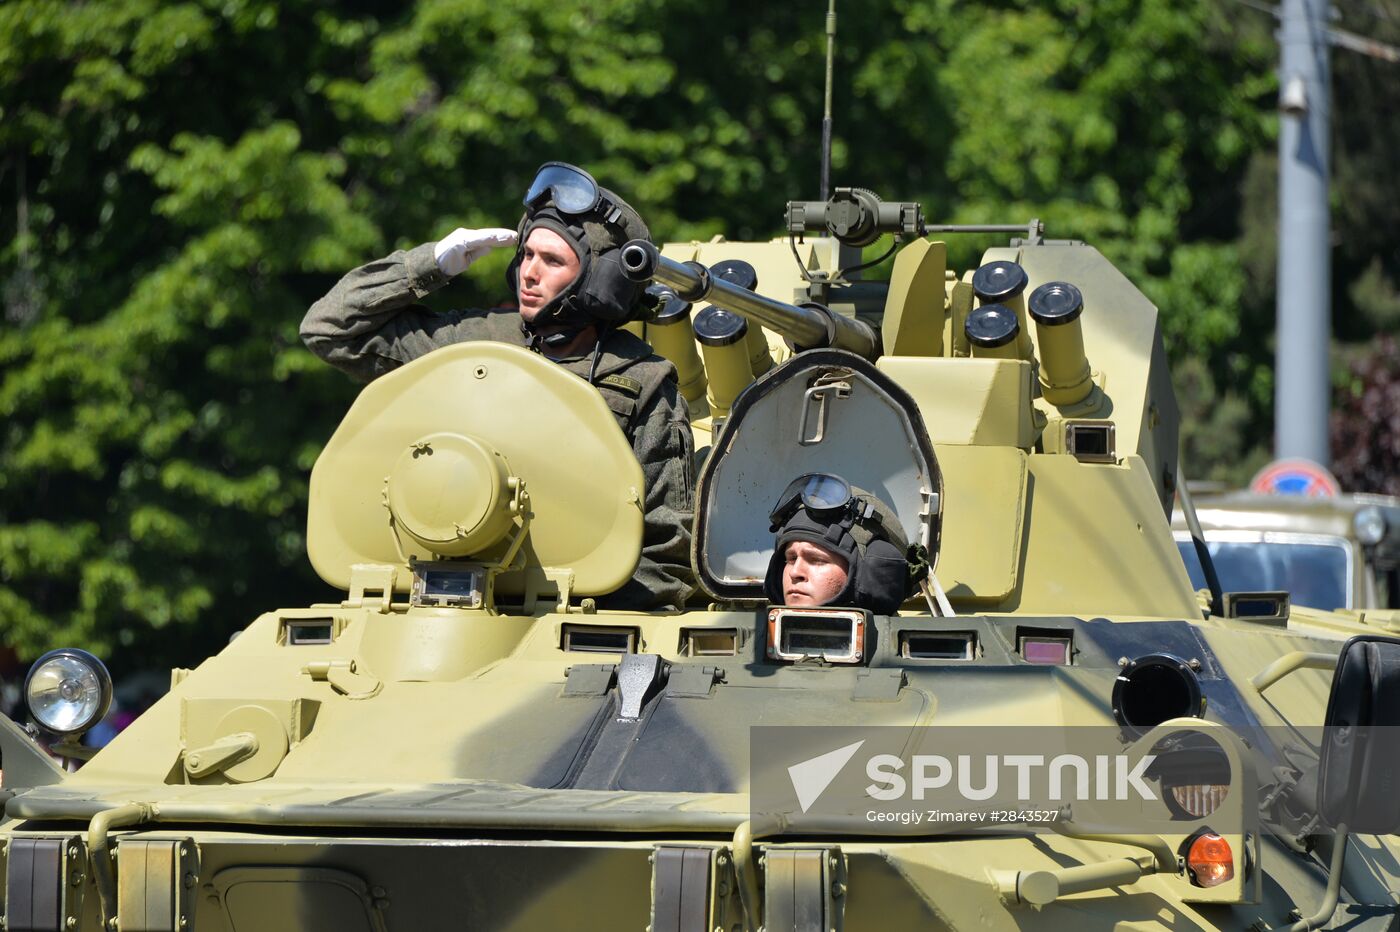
819, 508
596, 223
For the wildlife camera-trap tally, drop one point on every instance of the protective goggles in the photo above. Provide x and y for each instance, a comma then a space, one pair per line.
823, 495
571, 189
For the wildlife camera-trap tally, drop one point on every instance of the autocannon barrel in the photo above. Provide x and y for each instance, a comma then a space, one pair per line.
807, 326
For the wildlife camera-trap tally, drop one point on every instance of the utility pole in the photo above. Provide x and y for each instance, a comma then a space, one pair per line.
1302, 385
826, 113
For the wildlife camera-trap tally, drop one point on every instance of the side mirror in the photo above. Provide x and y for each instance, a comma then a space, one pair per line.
1359, 775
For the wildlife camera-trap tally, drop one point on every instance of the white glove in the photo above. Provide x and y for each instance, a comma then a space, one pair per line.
460, 248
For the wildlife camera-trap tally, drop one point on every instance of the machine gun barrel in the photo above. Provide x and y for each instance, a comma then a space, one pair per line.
808, 326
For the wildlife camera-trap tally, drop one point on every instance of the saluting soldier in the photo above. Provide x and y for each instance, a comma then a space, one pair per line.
572, 298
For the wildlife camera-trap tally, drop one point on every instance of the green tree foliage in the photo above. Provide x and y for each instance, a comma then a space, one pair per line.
157, 427
181, 179
1366, 264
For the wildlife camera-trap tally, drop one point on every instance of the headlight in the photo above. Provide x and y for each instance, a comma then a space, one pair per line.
1369, 524
1198, 800
1195, 774
68, 691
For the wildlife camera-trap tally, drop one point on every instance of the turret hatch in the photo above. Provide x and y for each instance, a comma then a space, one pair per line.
822, 411
487, 455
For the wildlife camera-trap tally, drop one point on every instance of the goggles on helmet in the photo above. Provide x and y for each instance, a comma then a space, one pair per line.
823, 495
571, 189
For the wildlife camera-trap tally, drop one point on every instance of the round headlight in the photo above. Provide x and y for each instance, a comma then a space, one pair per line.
1198, 800
68, 691
1195, 773
1369, 524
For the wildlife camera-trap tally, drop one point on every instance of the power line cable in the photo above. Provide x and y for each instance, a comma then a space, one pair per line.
1341, 38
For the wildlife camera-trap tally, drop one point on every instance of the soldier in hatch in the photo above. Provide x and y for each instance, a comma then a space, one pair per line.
840, 546
572, 298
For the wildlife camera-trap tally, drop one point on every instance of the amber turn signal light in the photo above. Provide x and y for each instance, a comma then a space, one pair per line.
1210, 861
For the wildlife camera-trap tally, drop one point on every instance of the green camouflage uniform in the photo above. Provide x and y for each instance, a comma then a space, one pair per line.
369, 324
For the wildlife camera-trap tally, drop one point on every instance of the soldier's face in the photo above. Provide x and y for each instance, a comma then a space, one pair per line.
548, 265
812, 574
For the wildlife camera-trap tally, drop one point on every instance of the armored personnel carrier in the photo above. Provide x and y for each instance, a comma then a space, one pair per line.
470, 738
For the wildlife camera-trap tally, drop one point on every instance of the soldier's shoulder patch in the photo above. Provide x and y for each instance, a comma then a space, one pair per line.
630, 387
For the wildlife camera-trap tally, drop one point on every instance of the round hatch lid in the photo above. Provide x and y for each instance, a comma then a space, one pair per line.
451, 493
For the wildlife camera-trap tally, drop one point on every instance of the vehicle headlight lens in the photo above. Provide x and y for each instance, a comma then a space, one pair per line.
1369, 525
1200, 799
1195, 774
68, 691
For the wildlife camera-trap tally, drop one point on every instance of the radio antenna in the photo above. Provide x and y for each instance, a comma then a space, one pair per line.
826, 116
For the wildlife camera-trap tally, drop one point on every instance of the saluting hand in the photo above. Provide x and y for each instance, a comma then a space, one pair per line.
456, 251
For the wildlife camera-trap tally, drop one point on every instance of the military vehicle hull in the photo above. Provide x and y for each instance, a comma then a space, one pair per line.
511, 834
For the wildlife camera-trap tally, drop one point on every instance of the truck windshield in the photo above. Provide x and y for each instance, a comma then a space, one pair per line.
1315, 572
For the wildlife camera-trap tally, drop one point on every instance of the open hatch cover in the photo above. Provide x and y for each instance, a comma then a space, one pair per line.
822, 411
